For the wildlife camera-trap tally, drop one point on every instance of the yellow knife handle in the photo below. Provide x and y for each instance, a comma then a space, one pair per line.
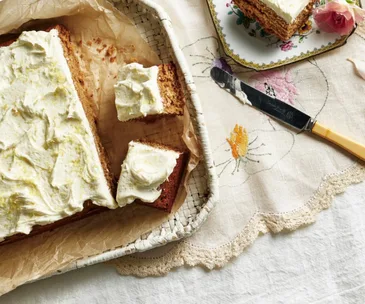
349, 145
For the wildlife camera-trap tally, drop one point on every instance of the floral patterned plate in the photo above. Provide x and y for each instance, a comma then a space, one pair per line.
246, 42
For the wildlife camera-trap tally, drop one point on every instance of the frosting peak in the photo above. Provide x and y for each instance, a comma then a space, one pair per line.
144, 169
289, 10
137, 93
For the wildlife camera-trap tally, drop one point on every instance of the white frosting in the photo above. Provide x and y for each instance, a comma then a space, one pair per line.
49, 165
144, 169
289, 10
137, 93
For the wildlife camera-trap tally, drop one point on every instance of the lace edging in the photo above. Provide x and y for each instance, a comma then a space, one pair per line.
185, 253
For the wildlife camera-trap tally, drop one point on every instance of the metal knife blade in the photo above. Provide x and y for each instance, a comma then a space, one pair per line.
284, 112
265, 103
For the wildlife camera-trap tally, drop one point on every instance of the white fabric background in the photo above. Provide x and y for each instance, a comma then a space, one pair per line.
320, 263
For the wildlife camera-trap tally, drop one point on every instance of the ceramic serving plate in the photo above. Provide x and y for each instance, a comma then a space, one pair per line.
246, 42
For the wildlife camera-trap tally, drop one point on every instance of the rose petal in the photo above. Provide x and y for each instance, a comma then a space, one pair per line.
334, 6
323, 20
359, 14
348, 24
359, 67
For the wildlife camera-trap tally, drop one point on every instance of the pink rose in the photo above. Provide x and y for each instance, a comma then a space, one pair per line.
287, 46
338, 16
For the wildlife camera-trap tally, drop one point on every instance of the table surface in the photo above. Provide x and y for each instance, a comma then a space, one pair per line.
334, 274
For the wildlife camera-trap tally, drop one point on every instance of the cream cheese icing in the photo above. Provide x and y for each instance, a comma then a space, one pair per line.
144, 169
289, 10
137, 93
49, 164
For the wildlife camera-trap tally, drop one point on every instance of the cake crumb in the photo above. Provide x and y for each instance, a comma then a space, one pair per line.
112, 59
98, 40
101, 48
110, 51
79, 43
127, 49
89, 43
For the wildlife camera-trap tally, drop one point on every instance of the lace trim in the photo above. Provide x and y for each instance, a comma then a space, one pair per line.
186, 253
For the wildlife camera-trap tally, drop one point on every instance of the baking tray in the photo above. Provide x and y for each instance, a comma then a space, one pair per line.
155, 26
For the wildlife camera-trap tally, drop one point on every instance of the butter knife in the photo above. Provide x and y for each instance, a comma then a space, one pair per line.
283, 111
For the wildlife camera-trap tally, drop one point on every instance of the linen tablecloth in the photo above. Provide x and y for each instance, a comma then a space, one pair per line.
272, 178
322, 262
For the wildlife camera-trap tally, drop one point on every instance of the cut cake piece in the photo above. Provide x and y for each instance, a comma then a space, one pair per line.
151, 175
281, 18
147, 93
53, 169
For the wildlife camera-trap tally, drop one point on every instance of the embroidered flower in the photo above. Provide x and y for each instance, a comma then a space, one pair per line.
338, 16
276, 83
222, 64
228, 4
238, 142
287, 46
248, 154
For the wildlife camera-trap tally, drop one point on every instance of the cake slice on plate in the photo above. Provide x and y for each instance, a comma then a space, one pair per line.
53, 168
151, 175
147, 93
283, 18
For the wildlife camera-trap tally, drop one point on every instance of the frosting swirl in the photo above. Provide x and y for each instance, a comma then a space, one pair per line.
137, 93
289, 10
49, 165
144, 169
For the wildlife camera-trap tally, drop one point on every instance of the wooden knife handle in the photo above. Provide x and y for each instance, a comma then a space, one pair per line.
349, 145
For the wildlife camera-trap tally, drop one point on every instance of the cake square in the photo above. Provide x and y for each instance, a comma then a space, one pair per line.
148, 93
151, 174
53, 168
281, 18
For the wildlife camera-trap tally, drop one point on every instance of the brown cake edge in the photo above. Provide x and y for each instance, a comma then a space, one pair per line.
90, 111
270, 21
88, 105
171, 92
171, 186
170, 89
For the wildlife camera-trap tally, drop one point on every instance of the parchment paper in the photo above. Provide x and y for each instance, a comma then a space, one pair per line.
105, 39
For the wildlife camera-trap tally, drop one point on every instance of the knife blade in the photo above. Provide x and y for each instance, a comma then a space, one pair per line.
283, 111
